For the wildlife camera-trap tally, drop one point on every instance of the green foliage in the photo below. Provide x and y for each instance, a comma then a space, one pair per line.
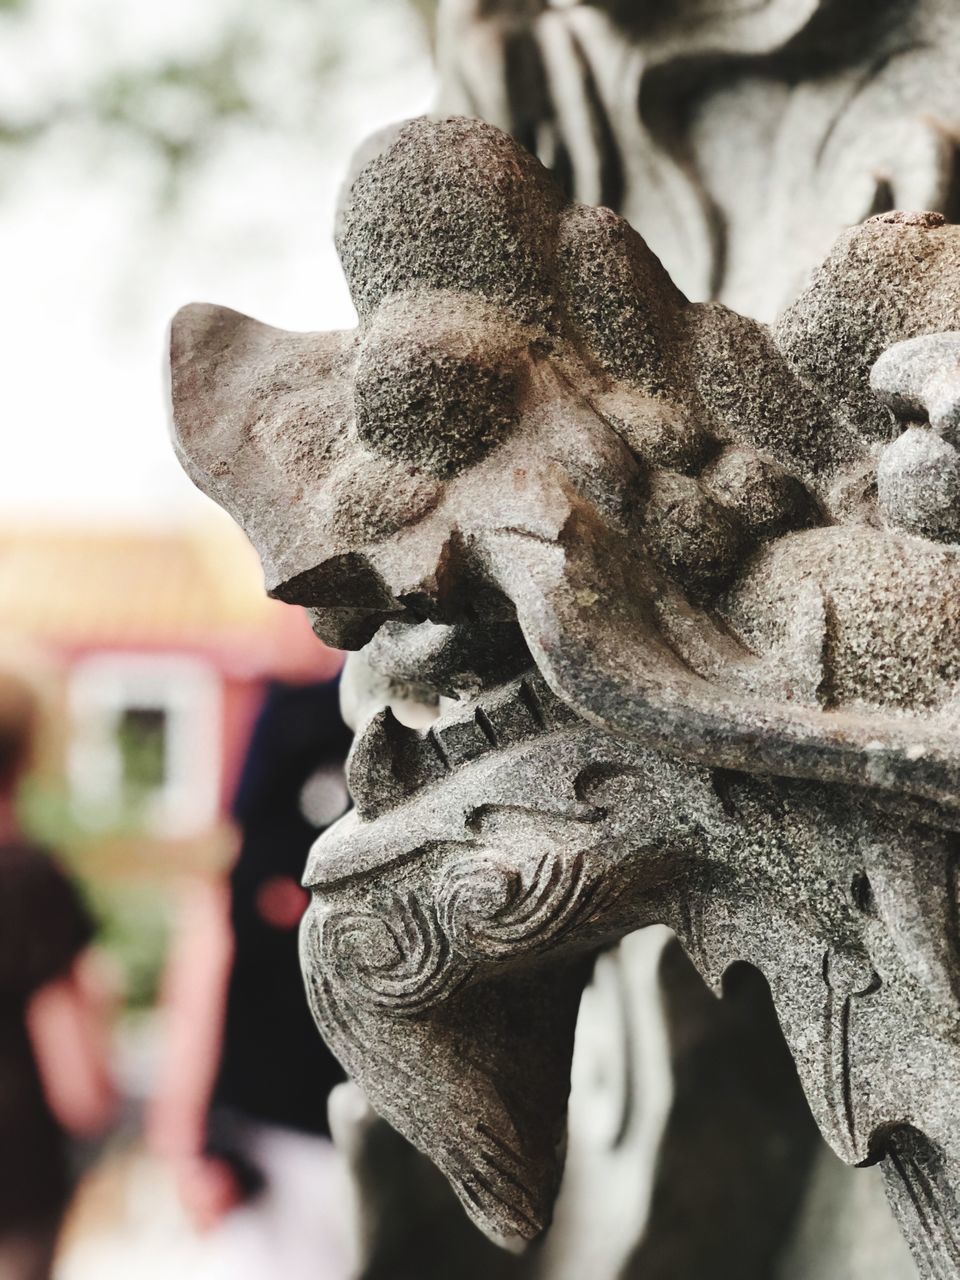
142, 738
46, 815
134, 926
133, 917
52, 818
277, 68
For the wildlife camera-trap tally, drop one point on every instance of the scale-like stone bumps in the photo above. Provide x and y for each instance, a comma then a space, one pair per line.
451, 205
715, 578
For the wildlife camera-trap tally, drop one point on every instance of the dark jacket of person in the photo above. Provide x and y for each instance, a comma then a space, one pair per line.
43, 927
275, 1066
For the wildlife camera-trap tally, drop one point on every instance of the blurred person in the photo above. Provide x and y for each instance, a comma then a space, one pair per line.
55, 1082
241, 1110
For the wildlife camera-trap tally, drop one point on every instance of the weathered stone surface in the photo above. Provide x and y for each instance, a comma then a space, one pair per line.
891, 279
689, 1147
738, 716
701, 1155
919, 379
739, 139
405, 1218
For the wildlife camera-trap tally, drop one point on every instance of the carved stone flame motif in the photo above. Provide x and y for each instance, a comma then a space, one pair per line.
697, 586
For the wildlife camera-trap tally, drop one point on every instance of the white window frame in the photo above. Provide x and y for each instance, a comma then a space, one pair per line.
188, 690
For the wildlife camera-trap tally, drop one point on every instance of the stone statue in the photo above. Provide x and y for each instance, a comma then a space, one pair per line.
738, 138
688, 587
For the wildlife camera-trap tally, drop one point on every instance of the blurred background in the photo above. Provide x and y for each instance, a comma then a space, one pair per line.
152, 155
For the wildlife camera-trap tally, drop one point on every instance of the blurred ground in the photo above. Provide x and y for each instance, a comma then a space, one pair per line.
128, 1222
126, 1219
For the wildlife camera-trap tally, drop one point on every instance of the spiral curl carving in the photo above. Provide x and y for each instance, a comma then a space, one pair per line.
493, 907
397, 958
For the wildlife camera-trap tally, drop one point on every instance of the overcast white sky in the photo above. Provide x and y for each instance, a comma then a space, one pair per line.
90, 272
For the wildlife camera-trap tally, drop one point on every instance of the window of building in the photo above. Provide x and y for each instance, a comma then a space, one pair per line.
145, 744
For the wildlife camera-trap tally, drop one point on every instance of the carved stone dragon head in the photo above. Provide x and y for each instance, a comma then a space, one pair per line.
696, 592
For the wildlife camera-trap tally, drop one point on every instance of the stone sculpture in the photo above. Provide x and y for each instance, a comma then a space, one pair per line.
690, 1152
738, 139
728, 669
691, 585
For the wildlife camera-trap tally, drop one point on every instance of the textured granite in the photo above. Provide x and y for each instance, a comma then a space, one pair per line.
727, 612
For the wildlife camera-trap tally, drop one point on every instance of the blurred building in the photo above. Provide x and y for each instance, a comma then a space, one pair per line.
157, 647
